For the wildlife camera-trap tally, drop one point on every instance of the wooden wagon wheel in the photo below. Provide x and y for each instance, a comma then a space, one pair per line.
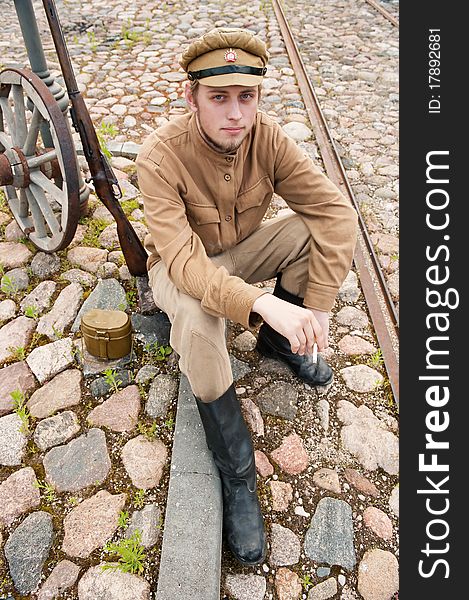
41, 183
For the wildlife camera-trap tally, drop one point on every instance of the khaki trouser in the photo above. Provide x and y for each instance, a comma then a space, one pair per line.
280, 245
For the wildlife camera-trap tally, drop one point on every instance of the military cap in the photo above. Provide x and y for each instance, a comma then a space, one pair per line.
226, 56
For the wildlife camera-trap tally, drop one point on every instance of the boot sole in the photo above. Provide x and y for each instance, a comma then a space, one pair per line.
268, 352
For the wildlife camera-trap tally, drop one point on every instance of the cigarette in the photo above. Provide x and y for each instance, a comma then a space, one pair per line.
315, 353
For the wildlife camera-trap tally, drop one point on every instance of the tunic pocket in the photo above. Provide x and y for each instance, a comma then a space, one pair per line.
203, 214
251, 206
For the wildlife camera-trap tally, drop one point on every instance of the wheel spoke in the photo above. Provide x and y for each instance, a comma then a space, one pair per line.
10, 119
23, 207
46, 184
38, 219
63, 168
20, 208
31, 139
20, 114
5, 141
45, 208
42, 159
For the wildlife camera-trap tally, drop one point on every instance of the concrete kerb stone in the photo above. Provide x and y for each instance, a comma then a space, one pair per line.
190, 563
125, 149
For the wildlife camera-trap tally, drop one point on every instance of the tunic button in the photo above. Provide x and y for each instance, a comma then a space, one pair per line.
227, 177
228, 218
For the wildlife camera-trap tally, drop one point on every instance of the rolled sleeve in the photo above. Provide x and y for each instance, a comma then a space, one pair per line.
329, 216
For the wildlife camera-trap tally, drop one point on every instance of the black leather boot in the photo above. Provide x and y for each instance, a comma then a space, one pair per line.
230, 442
273, 345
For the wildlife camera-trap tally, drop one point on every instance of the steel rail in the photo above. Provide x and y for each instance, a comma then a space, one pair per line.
382, 310
375, 4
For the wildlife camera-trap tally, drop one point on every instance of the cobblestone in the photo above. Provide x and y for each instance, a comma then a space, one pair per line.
125, 58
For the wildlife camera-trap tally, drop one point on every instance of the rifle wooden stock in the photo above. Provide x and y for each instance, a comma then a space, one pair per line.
101, 172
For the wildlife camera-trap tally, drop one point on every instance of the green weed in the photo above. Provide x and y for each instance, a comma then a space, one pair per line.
8, 286
18, 352
387, 388
376, 359
21, 410
94, 229
92, 40
129, 205
102, 144
57, 333
306, 581
157, 352
123, 520
132, 298
18, 396
132, 37
111, 378
6, 581
131, 554
148, 431
108, 129
49, 492
169, 423
32, 312
37, 340
139, 498
28, 243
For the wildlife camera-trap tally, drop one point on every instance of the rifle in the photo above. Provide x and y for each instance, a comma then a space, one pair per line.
104, 180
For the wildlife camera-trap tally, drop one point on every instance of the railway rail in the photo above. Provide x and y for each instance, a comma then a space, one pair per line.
380, 8
378, 298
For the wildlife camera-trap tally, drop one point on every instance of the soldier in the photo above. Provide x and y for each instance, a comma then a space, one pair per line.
207, 179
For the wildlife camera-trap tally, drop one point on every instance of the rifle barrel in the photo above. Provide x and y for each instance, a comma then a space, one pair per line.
101, 172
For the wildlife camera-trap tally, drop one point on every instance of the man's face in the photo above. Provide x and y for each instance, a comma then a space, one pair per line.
225, 115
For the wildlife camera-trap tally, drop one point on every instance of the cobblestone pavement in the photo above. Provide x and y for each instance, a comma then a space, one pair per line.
91, 464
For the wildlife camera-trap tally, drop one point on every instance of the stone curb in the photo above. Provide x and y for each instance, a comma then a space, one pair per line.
190, 563
126, 149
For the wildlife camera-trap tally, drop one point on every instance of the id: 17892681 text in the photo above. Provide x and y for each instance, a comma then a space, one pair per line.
434, 71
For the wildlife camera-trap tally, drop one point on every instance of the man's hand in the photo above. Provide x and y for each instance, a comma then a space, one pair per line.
323, 320
301, 326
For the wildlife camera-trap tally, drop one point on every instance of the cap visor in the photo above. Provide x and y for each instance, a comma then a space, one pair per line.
232, 79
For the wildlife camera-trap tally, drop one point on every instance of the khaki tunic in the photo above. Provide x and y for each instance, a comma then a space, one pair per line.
199, 202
